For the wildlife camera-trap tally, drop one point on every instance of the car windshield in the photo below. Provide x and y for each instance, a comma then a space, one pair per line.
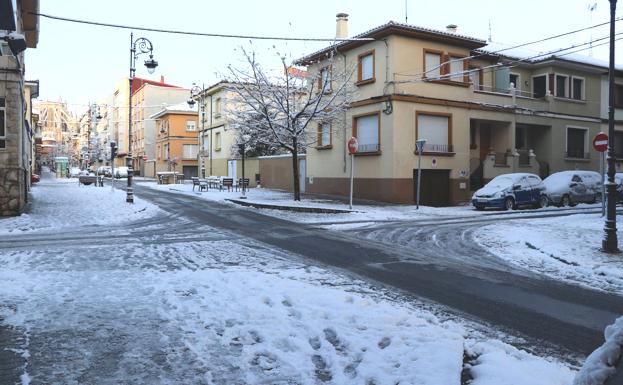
501, 182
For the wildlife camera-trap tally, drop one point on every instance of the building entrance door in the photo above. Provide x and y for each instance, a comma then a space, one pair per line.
435, 189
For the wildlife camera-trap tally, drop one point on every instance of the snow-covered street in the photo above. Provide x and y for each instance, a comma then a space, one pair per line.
164, 300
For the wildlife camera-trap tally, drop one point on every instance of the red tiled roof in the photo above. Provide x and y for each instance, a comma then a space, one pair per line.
138, 83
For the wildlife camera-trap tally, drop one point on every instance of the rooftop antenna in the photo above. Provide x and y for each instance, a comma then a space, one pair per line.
591, 9
406, 15
490, 31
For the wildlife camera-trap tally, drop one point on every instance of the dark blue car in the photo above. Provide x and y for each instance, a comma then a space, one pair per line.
511, 191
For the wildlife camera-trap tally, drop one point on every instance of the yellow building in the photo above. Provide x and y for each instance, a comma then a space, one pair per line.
480, 119
177, 143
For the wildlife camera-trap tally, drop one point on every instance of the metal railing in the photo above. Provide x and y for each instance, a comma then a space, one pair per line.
374, 147
577, 154
431, 147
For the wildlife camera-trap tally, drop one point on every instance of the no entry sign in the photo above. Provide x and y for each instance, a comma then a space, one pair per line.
353, 145
600, 142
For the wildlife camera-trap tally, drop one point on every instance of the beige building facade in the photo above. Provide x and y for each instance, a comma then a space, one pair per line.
480, 119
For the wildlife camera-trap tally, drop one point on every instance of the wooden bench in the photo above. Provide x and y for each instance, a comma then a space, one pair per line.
229, 183
201, 183
90, 179
240, 183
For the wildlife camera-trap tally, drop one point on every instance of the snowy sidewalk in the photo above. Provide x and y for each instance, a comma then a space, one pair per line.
62, 203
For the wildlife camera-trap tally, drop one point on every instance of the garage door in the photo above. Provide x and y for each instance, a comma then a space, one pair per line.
435, 188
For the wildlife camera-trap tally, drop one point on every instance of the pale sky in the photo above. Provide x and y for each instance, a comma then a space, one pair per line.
81, 63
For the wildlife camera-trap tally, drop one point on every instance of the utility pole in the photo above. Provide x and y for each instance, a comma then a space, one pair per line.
610, 242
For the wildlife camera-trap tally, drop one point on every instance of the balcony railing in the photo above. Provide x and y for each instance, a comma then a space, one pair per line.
431, 147
577, 154
374, 147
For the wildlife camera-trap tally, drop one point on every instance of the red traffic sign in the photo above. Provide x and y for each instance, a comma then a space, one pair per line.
600, 142
353, 145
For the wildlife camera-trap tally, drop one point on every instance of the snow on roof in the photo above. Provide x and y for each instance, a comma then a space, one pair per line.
175, 108
393, 27
534, 56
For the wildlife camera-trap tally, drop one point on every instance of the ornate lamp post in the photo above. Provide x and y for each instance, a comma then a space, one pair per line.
139, 46
199, 92
610, 242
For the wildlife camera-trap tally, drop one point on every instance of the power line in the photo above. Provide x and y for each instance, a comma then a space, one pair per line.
512, 47
111, 25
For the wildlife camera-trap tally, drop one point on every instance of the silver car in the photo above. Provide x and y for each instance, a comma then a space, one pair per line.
568, 188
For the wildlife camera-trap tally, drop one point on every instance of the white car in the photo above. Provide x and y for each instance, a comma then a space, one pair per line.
121, 172
74, 172
568, 188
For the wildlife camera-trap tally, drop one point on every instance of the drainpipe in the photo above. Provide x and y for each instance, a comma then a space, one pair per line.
344, 126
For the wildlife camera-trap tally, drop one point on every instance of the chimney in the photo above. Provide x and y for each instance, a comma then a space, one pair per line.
451, 28
162, 79
341, 26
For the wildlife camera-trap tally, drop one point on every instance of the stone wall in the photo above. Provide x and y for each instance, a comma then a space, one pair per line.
12, 191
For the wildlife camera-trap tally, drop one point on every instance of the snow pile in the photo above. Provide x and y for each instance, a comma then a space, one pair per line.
61, 203
565, 247
600, 365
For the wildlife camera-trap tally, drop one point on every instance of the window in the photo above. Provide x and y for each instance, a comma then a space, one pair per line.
432, 64
189, 151
514, 78
206, 141
618, 95
366, 130
217, 107
436, 129
165, 153
2, 124
324, 80
475, 77
457, 68
217, 141
577, 88
191, 125
539, 86
324, 135
562, 86
576, 143
366, 67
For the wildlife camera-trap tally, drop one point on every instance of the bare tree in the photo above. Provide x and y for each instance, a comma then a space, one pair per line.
278, 109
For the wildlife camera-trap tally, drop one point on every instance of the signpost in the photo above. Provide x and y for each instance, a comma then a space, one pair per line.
353, 147
420, 148
600, 144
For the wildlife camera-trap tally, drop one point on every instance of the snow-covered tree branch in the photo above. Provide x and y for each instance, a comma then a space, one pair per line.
285, 108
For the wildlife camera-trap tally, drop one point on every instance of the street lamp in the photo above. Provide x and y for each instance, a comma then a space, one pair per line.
137, 47
610, 243
195, 92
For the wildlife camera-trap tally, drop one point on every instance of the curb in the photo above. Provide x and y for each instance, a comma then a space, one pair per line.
318, 210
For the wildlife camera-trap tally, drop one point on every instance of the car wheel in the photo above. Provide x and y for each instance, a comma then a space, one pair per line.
565, 201
479, 208
543, 201
509, 203
597, 198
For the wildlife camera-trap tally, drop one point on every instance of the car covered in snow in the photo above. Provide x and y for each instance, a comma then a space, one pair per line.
121, 172
510, 191
104, 170
74, 172
568, 188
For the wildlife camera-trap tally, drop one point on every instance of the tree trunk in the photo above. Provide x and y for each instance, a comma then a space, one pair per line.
295, 171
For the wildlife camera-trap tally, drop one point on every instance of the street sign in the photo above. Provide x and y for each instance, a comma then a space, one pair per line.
600, 142
433, 163
353, 145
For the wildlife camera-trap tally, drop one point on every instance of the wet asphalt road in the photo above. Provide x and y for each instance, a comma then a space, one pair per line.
439, 262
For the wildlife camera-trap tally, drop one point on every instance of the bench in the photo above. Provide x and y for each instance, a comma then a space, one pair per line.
90, 179
227, 182
201, 183
240, 183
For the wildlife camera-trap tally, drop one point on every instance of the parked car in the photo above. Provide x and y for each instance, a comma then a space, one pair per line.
34, 178
510, 191
103, 170
568, 188
618, 179
121, 172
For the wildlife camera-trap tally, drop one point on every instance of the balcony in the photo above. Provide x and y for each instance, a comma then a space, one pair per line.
437, 149
369, 149
577, 153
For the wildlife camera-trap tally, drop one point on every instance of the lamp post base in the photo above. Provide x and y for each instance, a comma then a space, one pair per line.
130, 195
